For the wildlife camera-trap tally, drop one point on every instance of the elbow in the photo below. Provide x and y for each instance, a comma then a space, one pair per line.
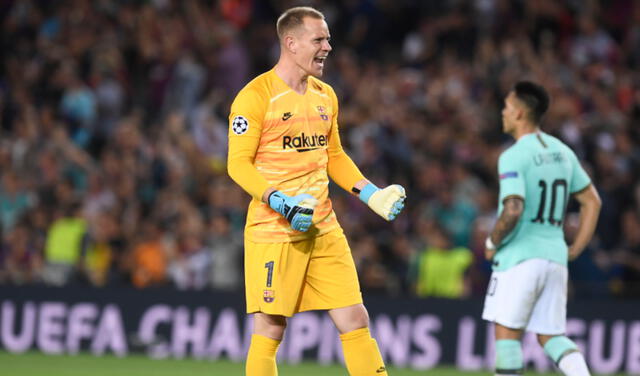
596, 206
596, 202
232, 171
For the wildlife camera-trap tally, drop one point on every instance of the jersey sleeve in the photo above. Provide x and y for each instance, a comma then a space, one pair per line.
511, 175
245, 128
340, 167
579, 179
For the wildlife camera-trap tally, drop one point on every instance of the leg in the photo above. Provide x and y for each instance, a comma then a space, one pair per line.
508, 351
361, 353
331, 284
507, 305
558, 347
564, 352
347, 319
270, 326
267, 334
271, 269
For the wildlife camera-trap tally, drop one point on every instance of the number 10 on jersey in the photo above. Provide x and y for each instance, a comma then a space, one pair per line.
555, 195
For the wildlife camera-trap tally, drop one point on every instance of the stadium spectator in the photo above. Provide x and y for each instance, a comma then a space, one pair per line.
149, 258
440, 270
103, 251
226, 250
14, 200
65, 246
137, 93
628, 255
23, 263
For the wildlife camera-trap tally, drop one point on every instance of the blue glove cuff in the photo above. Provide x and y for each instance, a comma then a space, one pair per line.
367, 191
276, 201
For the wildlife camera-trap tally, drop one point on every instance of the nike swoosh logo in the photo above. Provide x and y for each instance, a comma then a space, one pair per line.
380, 370
286, 116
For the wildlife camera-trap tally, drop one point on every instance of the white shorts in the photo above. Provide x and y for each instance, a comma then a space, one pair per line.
531, 295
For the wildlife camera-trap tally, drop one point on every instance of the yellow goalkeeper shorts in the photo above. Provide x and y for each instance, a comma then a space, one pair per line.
286, 278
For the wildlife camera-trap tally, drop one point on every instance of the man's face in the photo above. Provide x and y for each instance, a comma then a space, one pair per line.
311, 46
511, 112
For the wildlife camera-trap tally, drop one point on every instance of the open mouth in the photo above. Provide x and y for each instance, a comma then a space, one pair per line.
319, 60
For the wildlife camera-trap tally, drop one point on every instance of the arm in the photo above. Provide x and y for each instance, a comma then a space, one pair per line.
340, 167
387, 202
513, 208
244, 173
589, 210
245, 131
298, 210
512, 195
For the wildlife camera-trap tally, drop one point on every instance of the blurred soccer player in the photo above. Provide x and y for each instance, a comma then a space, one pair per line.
283, 147
528, 287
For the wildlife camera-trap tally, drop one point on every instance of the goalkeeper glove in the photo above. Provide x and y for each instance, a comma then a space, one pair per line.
298, 210
387, 202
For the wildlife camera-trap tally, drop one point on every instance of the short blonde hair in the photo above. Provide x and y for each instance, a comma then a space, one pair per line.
294, 17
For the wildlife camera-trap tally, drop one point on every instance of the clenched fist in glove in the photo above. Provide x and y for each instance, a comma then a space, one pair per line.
298, 210
386, 202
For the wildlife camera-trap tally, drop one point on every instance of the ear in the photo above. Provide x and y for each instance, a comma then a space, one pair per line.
290, 44
519, 113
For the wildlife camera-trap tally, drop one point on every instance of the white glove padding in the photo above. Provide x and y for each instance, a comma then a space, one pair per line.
387, 202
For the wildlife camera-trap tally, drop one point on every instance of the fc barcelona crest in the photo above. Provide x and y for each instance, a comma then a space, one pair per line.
323, 115
269, 296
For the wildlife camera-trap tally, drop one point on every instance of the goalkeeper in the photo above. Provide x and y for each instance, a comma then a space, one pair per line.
283, 147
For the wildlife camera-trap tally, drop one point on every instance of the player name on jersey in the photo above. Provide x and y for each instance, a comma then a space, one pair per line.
548, 158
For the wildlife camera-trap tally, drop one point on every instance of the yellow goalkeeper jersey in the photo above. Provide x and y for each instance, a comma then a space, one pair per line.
282, 139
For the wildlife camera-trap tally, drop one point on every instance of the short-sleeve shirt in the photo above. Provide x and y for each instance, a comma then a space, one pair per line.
295, 132
544, 172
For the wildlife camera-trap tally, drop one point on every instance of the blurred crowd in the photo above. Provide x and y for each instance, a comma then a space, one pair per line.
113, 134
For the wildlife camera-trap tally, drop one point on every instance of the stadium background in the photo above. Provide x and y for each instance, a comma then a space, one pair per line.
113, 144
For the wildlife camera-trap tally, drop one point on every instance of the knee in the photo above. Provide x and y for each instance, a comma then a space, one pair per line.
363, 319
269, 325
359, 319
351, 318
543, 339
275, 332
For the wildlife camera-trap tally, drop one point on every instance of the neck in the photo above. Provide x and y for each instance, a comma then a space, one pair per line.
525, 130
292, 75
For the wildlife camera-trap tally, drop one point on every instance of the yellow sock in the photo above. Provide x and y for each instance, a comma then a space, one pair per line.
361, 354
261, 359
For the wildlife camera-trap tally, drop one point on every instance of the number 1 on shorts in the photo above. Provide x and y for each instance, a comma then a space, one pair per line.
269, 266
